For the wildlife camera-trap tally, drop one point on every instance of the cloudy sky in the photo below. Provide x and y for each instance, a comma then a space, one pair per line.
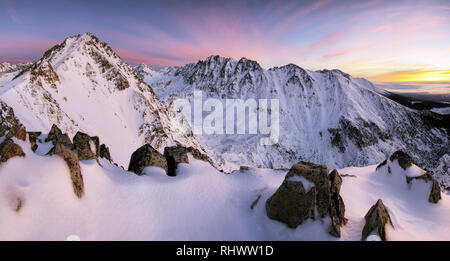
385, 41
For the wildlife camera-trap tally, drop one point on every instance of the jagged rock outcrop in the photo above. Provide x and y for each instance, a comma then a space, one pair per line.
54, 133
146, 156
81, 142
71, 159
377, 218
175, 155
33, 138
96, 142
406, 162
9, 149
104, 153
17, 131
62, 139
306, 188
337, 206
435, 193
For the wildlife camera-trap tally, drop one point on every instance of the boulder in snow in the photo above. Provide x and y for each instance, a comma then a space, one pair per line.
81, 143
337, 206
146, 156
33, 138
175, 155
104, 152
9, 149
306, 188
404, 160
71, 159
18, 131
61, 139
407, 167
54, 133
377, 218
435, 193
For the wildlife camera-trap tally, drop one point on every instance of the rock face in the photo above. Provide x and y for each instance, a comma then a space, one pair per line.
175, 155
33, 138
337, 206
404, 160
71, 159
146, 156
54, 133
17, 131
306, 188
9, 149
377, 218
81, 142
104, 152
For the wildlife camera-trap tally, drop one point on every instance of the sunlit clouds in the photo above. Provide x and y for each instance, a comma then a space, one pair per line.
415, 76
381, 40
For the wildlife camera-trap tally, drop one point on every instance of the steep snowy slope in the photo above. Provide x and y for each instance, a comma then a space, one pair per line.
81, 84
326, 116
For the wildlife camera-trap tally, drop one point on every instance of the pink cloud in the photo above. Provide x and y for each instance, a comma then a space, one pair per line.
136, 58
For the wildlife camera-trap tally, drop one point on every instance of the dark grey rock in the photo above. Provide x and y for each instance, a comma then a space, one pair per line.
146, 156
376, 218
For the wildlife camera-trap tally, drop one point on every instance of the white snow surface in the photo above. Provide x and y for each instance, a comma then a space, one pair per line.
198, 204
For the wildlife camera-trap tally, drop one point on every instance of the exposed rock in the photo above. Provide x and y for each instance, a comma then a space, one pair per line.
377, 218
318, 174
7, 117
381, 164
71, 159
3, 130
96, 142
435, 193
291, 204
9, 149
255, 202
308, 187
404, 160
54, 133
81, 143
63, 140
104, 152
146, 156
175, 155
33, 138
243, 168
17, 131
337, 207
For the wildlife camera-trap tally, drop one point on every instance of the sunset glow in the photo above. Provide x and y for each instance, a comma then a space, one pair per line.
415, 76
377, 39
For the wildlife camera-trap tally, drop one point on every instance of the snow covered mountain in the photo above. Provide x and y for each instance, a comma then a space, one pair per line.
326, 116
83, 85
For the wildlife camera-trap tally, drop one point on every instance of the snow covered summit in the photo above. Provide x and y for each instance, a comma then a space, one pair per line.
83, 85
326, 117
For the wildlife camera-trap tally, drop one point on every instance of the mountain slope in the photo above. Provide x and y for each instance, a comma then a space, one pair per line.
82, 85
326, 116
